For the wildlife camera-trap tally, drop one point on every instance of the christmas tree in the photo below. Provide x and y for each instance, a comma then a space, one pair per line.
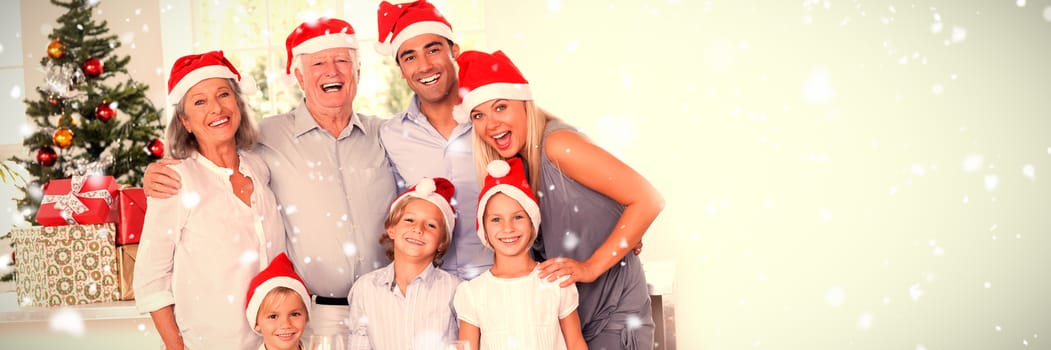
91, 117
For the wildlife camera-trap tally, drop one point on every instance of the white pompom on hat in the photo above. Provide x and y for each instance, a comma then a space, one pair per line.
280, 273
507, 177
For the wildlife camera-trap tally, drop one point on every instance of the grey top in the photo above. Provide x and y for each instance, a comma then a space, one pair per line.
576, 221
333, 193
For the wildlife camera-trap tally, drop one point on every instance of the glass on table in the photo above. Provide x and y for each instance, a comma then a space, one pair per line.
327, 342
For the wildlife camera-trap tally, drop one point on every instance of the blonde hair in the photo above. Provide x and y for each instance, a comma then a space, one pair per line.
181, 143
536, 120
392, 219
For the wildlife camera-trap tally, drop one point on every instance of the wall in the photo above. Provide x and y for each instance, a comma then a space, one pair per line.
11, 77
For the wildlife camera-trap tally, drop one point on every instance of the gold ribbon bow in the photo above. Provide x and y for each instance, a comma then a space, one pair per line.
68, 204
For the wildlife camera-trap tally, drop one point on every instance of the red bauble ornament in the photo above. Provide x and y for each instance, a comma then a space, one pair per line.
155, 149
63, 137
92, 67
104, 112
56, 49
46, 156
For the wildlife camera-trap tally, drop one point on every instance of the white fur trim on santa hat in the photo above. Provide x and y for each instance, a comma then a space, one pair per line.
252, 310
324, 42
510, 91
412, 31
425, 191
528, 204
196, 76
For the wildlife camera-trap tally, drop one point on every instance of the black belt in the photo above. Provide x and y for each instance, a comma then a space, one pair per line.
320, 300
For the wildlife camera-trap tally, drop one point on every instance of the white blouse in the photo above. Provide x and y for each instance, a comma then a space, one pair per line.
200, 249
516, 313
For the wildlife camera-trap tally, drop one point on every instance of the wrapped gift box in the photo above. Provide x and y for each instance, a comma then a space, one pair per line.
66, 265
77, 200
131, 209
126, 264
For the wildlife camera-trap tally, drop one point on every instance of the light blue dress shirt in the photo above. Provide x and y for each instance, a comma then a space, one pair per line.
417, 150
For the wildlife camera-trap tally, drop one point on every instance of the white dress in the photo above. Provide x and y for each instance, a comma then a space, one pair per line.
516, 313
200, 249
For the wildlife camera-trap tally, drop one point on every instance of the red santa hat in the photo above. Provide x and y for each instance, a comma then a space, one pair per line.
321, 34
402, 22
439, 191
484, 77
507, 177
192, 69
280, 273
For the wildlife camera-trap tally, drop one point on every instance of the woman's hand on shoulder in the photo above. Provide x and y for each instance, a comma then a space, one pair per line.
569, 270
160, 180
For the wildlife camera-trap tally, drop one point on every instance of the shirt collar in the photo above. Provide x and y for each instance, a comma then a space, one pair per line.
414, 114
386, 276
304, 122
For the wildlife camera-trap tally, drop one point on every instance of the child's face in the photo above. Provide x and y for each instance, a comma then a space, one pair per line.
507, 226
281, 324
418, 232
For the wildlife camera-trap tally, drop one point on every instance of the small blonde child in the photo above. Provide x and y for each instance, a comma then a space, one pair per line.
408, 303
510, 306
277, 306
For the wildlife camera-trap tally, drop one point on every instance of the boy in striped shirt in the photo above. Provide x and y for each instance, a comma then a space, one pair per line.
408, 303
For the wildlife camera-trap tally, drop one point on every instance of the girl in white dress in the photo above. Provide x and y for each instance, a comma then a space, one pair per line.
510, 306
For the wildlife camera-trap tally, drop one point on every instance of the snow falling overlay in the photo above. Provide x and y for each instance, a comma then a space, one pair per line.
68, 321
870, 170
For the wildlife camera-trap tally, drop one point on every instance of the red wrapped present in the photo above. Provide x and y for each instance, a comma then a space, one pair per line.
131, 208
78, 200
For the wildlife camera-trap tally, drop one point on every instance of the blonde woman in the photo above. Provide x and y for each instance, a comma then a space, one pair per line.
595, 208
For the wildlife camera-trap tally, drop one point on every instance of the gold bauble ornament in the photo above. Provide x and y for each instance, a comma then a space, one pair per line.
63, 137
56, 49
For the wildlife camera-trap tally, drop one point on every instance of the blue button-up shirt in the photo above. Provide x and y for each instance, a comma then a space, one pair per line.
417, 151
333, 192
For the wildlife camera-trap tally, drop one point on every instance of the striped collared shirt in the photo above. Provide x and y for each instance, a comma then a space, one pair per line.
381, 317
